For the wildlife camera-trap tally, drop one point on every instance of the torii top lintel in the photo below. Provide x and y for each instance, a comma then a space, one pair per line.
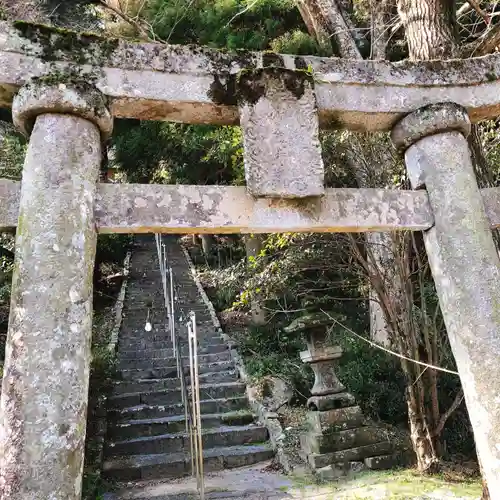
196, 84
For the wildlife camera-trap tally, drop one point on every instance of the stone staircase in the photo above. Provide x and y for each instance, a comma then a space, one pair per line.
146, 431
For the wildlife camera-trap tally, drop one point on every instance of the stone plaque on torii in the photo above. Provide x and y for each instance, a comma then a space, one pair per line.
64, 90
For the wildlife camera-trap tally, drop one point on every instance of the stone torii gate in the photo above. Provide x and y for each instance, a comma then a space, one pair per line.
64, 90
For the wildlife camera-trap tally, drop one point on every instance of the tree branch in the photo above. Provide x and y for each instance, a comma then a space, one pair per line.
446, 415
314, 28
486, 44
379, 33
331, 16
475, 5
466, 7
127, 19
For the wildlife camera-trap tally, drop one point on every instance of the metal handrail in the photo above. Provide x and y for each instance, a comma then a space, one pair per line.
192, 410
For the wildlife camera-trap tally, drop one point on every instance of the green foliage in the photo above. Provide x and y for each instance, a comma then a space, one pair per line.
225, 284
6, 268
12, 151
102, 368
199, 154
231, 24
102, 372
269, 351
171, 153
374, 377
112, 247
295, 42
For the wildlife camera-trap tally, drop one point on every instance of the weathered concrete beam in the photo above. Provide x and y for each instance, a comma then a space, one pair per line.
138, 208
135, 208
197, 85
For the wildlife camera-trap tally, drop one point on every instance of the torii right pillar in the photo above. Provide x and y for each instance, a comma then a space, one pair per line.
464, 263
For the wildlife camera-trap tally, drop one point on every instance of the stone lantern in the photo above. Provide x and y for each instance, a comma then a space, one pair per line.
321, 357
338, 440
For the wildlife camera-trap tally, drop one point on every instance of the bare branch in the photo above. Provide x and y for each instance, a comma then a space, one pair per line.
330, 14
486, 44
446, 415
241, 12
397, 354
127, 19
475, 5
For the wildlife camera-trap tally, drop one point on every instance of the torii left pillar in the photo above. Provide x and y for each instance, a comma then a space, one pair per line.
46, 374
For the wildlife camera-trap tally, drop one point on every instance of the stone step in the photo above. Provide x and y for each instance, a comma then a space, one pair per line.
143, 493
178, 442
171, 396
404, 458
207, 406
171, 371
159, 320
149, 385
128, 429
319, 460
130, 364
159, 333
146, 467
140, 344
166, 353
343, 440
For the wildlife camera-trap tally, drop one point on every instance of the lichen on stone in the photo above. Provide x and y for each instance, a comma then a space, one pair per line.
56, 43
251, 85
308, 321
272, 59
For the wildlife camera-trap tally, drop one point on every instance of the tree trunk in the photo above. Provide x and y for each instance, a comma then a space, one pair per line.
327, 15
382, 257
207, 241
315, 28
430, 28
253, 247
379, 32
419, 430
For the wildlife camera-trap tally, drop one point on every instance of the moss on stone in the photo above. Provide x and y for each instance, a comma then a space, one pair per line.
300, 62
79, 47
491, 76
237, 418
251, 84
272, 59
70, 77
313, 320
223, 92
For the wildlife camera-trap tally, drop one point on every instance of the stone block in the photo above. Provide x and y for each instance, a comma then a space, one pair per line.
331, 401
343, 440
399, 459
319, 460
210, 464
278, 117
335, 420
176, 468
336, 471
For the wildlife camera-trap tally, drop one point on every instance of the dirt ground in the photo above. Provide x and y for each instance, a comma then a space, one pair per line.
262, 483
